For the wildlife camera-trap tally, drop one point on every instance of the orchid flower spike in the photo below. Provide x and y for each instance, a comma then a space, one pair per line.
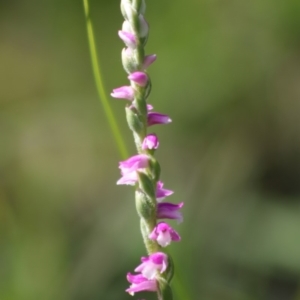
143, 170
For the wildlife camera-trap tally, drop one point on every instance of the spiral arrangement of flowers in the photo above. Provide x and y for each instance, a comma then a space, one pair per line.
143, 170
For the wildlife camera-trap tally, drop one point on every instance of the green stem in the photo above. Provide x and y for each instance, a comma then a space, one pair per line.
99, 84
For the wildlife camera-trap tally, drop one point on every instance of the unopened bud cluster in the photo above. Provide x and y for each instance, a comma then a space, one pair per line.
143, 170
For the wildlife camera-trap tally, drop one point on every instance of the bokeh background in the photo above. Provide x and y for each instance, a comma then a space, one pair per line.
228, 73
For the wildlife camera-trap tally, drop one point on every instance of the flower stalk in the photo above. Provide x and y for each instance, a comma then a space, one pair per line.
143, 170
99, 82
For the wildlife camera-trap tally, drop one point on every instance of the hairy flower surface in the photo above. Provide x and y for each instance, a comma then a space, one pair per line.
163, 233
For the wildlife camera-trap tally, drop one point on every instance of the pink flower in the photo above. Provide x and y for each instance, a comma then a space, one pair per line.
156, 262
157, 118
129, 179
149, 107
123, 92
164, 234
139, 78
162, 193
130, 166
139, 283
150, 142
134, 163
150, 266
167, 210
128, 38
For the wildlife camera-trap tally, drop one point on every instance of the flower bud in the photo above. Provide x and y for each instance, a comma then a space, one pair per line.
127, 10
123, 92
127, 27
157, 118
167, 210
128, 38
150, 142
129, 61
139, 78
148, 60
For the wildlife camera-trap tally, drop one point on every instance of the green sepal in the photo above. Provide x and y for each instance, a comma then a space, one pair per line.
129, 63
134, 121
130, 15
142, 92
146, 229
130, 66
169, 273
140, 98
155, 168
145, 206
146, 185
123, 9
139, 5
148, 88
165, 291
143, 40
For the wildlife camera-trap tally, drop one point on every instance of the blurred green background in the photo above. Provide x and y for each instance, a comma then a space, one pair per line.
228, 73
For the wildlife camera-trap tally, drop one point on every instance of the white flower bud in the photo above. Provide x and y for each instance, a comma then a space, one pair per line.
124, 4
127, 27
129, 13
128, 60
